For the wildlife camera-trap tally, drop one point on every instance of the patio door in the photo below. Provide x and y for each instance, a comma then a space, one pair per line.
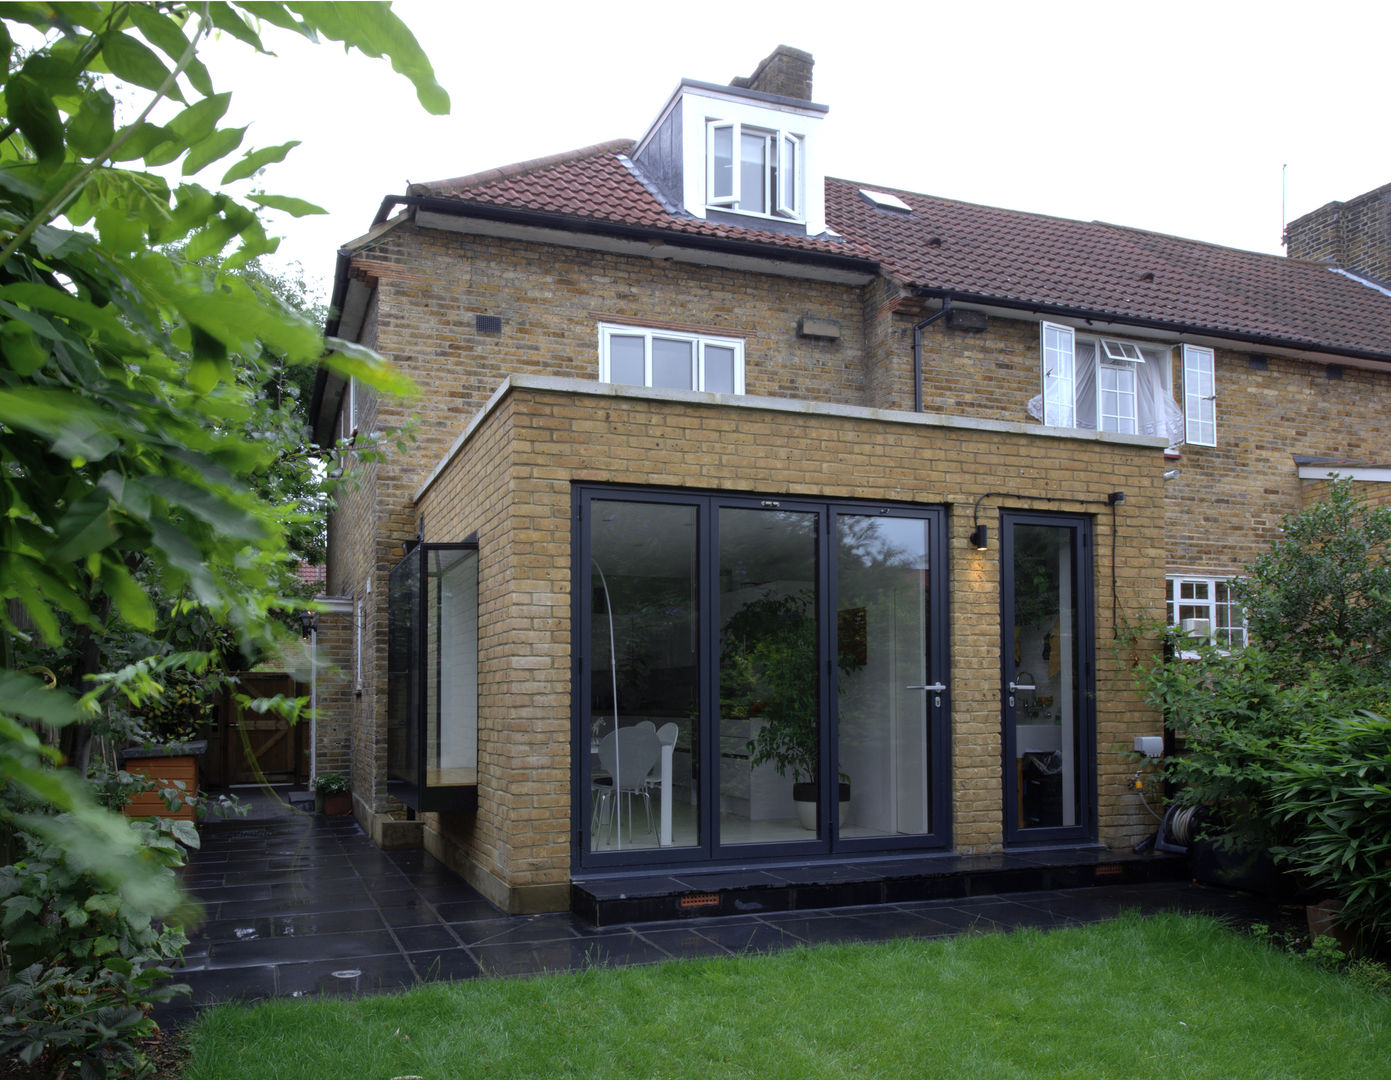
757, 678
1047, 677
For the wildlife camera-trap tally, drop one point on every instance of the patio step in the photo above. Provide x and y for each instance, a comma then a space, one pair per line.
613, 899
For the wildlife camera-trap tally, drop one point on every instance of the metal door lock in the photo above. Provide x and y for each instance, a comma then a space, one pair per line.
936, 689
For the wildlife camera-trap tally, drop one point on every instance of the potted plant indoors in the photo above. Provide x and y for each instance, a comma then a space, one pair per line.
332, 794
767, 673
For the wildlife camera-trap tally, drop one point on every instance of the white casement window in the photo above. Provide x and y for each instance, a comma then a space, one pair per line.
754, 170
1199, 396
1206, 607
665, 359
1106, 384
1059, 381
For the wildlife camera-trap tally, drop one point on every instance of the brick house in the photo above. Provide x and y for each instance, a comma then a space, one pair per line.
759, 518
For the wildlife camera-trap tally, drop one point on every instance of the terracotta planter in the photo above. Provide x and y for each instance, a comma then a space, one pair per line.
166, 766
339, 804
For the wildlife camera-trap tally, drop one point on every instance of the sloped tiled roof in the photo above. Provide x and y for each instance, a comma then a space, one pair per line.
597, 184
1015, 258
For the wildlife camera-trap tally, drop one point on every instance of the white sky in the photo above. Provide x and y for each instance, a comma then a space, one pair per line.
1176, 117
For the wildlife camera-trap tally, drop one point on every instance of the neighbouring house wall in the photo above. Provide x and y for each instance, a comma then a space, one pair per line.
511, 482
1355, 235
333, 687
1225, 506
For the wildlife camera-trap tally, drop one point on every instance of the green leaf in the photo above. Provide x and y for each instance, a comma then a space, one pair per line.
32, 110
225, 18
255, 160
186, 832
103, 903
375, 30
214, 148
292, 206
86, 528
135, 62
32, 698
93, 127
21, 348
222, 514
131, 601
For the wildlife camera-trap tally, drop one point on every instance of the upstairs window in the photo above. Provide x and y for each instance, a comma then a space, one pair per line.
1199, 396
754, 170
1206, 608
670, 360
1106, 384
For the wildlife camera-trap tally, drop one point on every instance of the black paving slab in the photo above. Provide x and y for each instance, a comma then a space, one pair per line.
298, 905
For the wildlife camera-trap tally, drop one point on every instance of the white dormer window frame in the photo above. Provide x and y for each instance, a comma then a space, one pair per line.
777, 159
697, 113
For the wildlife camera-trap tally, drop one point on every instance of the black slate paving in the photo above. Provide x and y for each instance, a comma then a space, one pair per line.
298, 904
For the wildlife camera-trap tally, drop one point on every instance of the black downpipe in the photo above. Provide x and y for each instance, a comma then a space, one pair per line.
918, 351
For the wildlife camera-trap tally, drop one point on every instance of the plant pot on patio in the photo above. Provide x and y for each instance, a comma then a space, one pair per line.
168, 766
332, 795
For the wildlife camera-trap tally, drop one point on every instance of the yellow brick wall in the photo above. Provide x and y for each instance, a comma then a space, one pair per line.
1220, 511
512, 483
1224, 507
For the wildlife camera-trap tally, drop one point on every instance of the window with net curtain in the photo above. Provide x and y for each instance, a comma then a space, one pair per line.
1107, 384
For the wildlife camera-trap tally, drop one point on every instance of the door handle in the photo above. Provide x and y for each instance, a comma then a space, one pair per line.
936, 689
1021, 686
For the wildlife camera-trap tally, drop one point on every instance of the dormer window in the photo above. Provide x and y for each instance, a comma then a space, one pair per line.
754, 170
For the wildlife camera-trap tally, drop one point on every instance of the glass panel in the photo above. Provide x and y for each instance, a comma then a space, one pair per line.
1046, 697
789, 203
718, 369
1118, 399
722, 162
753, 172
644, 623
451, 688
671, 364
883, 659
626, 354
402, 682
769, 722
1231, 625
1058, 390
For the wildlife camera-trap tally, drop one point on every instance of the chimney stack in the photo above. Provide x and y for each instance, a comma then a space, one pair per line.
785, 71
1354, 235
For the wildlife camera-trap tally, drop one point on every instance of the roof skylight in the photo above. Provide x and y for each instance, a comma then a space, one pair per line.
884, 200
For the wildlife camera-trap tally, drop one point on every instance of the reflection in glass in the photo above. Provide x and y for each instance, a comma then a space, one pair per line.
769, 722
882, 640
644, 702
451, 686
1045, 666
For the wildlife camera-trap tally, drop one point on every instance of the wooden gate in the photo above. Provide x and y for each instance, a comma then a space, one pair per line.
250, 747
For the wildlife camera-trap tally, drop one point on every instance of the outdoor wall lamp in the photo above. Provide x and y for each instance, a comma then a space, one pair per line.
308, 623
980, 537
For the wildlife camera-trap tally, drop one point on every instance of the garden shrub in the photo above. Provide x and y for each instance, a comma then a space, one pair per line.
79, 967
1334, 790
1285, 740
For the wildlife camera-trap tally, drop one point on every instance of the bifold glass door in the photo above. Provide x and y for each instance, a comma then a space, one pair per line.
432, 678
1047, 677
757, 678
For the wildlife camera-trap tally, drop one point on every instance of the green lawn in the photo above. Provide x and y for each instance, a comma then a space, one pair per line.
1168, 997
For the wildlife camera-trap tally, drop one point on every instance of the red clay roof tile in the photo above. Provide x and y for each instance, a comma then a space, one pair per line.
1017, 258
